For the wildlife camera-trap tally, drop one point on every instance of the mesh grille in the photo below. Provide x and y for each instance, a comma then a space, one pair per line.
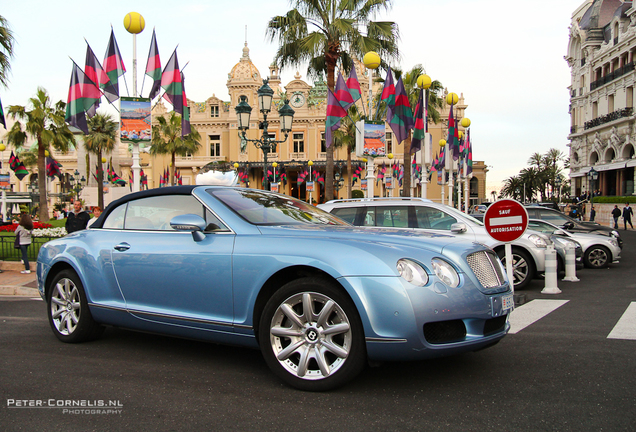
486, 267
444, 331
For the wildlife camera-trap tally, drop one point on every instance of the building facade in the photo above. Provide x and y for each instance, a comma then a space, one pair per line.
601, 55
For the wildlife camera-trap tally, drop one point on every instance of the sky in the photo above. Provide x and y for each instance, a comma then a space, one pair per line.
505, 57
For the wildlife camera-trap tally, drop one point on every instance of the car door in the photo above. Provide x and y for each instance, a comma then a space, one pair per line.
167, 276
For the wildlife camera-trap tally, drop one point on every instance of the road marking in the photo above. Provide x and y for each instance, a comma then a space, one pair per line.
531, 312
625, 328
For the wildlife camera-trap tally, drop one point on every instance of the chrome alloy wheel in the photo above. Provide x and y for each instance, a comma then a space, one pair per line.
598, 257
519, 268
310, 335
65, 306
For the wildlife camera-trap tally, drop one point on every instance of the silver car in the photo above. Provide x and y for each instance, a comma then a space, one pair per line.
420, 213
598, 250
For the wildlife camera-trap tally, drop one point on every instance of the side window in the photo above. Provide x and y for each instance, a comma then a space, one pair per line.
553, 217
346, 214
115, 219
432, 218
397, 217
213, 223
369, 217
155, 213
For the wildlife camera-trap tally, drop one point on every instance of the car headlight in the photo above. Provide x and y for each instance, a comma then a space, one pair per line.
613, 241
564, 242
412, 272
539, 241
445, 272
616, 234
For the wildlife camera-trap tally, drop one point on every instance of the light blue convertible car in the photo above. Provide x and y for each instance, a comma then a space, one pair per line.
260, 269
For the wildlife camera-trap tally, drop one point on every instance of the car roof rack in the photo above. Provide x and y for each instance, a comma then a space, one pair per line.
379, 199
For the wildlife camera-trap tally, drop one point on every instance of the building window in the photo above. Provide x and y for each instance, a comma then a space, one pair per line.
610, 104
389, 142
629, 96
215, 145
323, 143
594, 110
214, 110
299, 143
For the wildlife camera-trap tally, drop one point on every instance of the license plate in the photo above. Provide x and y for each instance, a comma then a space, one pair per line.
507, 302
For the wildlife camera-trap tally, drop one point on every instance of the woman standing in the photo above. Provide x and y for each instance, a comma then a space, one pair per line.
24, 232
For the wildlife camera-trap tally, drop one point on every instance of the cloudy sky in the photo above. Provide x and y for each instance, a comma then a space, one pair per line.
505, 57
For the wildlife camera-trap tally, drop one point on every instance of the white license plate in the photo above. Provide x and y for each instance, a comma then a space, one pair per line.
507, 302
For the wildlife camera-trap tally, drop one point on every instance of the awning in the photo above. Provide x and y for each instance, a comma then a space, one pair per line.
580, 173
608, 167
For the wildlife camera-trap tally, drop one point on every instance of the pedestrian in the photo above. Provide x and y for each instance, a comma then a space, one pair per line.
616, 213
23, 238
96, 212
627, 216
77, 219
592, 214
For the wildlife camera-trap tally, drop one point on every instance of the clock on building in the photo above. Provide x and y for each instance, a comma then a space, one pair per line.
297, 99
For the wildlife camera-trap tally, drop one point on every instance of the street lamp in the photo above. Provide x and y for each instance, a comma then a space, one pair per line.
557, 183
338, 183
77, 184
593, 175
265, 143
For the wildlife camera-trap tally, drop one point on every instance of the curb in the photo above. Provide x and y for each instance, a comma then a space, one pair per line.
9, 290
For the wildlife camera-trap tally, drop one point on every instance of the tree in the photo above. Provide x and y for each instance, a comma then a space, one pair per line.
167, 139
6, 50
345, 136
101, 138
325, 34
45, 123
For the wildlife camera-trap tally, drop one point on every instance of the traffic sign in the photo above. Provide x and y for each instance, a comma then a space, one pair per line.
506, 220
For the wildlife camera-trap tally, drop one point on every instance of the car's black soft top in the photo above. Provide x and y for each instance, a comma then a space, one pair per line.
170, 190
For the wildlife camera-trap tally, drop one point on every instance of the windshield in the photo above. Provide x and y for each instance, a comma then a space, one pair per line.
462, 215
261, 207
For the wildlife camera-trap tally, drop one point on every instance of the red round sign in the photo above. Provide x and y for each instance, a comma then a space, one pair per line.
506, 220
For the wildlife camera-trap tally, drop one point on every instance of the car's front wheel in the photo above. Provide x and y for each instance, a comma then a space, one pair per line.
523, 269
68, 312
311, 335
597, 256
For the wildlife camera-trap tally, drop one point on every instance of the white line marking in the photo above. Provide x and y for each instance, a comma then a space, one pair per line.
625, 328
531, 312
506, 220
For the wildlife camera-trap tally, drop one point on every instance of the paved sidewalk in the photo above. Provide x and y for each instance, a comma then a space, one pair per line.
12, 282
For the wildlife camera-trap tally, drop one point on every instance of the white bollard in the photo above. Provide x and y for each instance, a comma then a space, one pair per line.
570, 264
550, 272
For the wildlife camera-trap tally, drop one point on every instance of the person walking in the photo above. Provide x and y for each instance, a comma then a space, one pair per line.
23, 233
616, 213
627, 216
77, 219
592, 214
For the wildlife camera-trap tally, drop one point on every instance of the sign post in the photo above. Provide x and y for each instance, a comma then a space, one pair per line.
506, 220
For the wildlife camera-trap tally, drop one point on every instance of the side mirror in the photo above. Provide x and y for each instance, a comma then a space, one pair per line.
568, 225
191, 223
458, 228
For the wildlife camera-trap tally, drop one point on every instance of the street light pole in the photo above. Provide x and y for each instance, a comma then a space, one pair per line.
265, 143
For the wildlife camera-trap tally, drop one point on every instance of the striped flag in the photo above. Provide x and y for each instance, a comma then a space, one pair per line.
2, 120
342, 93
82, 94
153, 67
186, 128
93, 70
335, 113
419, 133
113, 63
53, 167
401, 121
171, 83
354, 85
17, 166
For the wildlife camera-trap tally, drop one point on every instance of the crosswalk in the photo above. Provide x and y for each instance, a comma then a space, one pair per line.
531, 312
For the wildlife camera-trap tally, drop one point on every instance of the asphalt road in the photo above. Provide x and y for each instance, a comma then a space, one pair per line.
561, 373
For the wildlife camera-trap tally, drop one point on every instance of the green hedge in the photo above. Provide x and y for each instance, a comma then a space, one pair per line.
615, 199
357, 193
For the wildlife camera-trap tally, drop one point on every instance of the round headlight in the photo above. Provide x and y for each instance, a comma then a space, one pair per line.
539, 241
445, 272
412, 272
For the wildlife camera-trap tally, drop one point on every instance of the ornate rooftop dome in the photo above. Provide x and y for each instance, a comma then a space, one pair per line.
245, 70
601, 13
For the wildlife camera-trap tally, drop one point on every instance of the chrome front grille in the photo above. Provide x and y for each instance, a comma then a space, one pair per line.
485, 265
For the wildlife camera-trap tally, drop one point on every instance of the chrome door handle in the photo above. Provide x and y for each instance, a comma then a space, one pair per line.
122, 247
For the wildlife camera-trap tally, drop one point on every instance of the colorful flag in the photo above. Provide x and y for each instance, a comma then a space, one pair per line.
455, 148
185, 116
53, 167
162, 181
388, 95
450, 142
354, 85
82, 94
17, 167
113, 63
283, 175
171, 83
342, 93
153, 67
144, 180
2, 120
401, 121
335, 113
469, 153
419, 133
94, 71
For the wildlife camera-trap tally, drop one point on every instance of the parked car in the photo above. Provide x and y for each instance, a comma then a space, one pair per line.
249, 267
478, 209
598, 250
410, 213
572, 225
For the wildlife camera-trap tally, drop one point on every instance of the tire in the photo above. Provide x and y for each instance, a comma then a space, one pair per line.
305, 349
69, 316
523, 268
597, 256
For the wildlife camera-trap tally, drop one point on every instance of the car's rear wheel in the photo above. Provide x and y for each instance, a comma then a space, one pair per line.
597, 256
311, 335
69, 316
523, 269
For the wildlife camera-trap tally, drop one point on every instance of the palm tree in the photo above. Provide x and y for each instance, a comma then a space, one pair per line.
167, 139
327, 33
101, 138
6, 50
45, 123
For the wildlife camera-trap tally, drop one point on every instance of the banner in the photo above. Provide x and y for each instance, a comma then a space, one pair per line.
135, 119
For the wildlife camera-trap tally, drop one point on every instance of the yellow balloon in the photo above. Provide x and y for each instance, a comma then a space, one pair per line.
442, 142
134, 23
465, 122
371, 60
452, 98
2, 147
424, 81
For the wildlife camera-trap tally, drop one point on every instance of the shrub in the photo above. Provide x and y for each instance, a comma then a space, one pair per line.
357, 193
